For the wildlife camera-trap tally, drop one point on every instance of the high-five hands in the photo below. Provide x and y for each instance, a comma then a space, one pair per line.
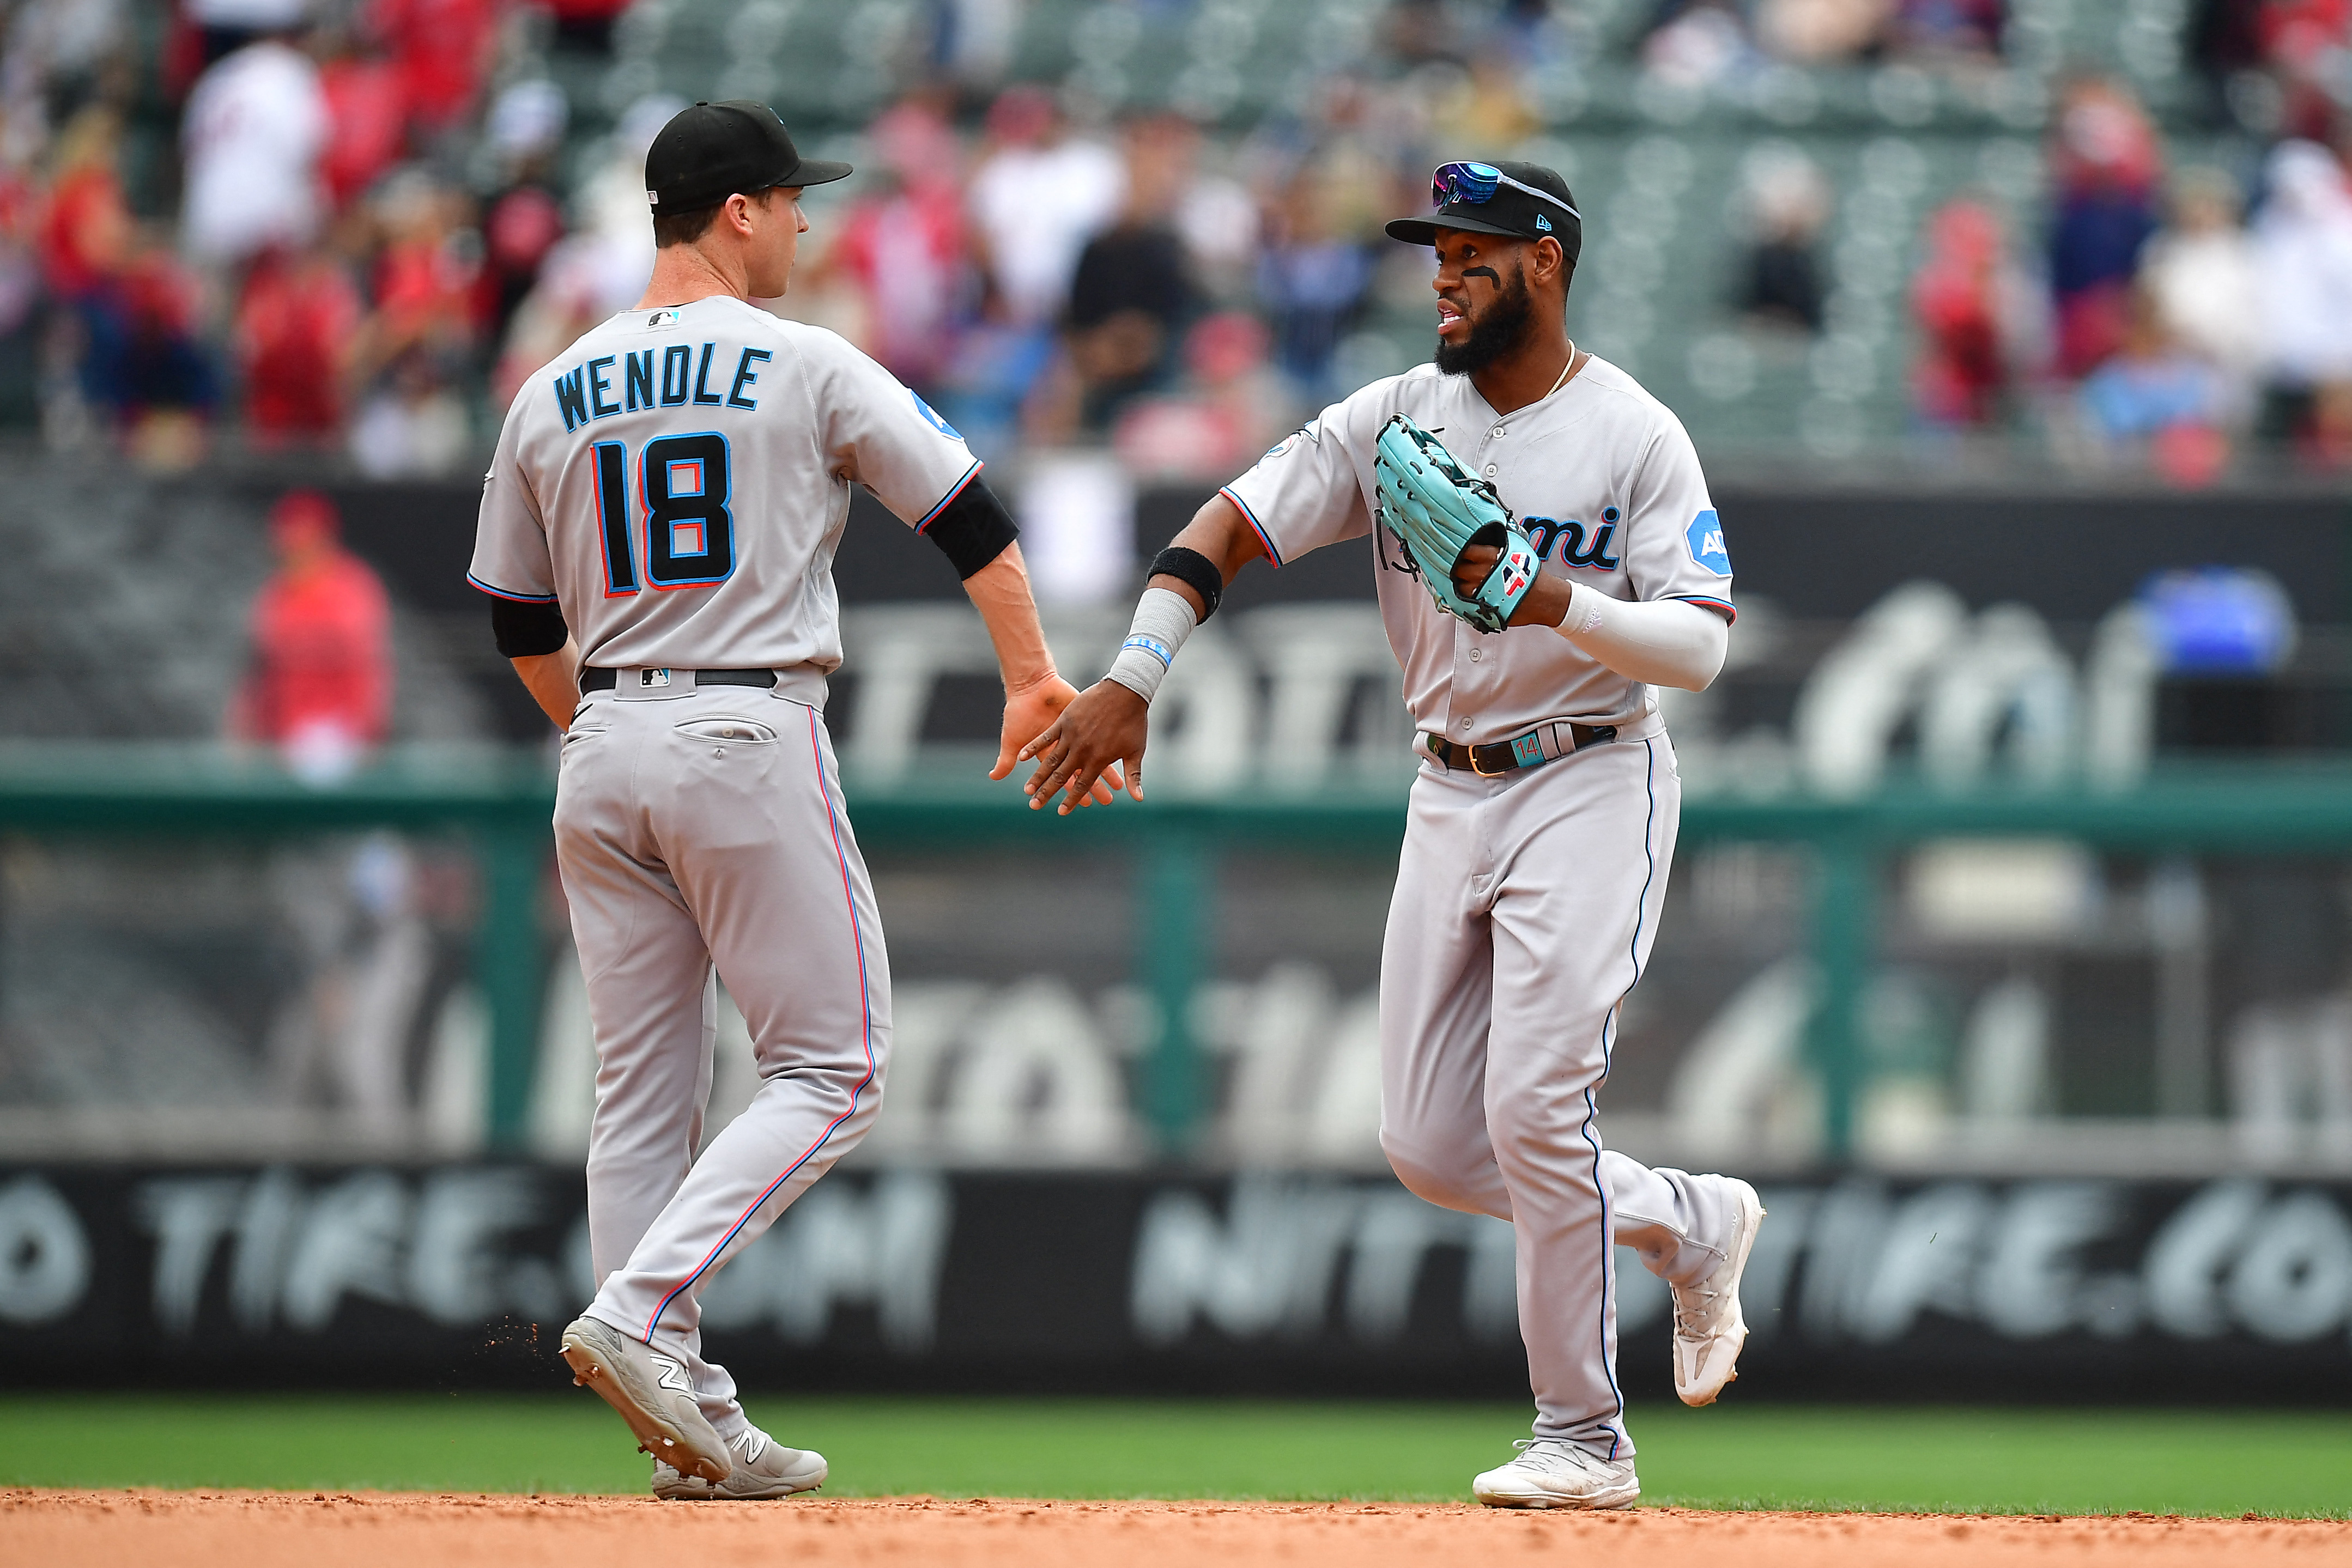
1080, 753
1042, 706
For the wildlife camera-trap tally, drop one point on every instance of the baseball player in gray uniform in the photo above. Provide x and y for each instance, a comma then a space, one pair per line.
656, 537
1591, 569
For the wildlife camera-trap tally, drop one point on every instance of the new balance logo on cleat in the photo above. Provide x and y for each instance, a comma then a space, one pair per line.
673, 1375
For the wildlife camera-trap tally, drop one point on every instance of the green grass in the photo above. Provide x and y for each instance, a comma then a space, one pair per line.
1968, 1460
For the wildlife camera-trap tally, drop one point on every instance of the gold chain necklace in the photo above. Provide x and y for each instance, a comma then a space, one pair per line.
1563, 369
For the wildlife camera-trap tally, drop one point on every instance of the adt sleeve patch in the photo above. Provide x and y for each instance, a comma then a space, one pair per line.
1706, 540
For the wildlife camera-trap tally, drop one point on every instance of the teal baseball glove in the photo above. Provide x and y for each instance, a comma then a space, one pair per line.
1436, 511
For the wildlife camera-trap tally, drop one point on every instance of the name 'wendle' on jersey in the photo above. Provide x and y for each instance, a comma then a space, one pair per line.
678, 376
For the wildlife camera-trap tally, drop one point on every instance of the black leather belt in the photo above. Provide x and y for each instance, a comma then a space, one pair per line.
593, 680
1526, 752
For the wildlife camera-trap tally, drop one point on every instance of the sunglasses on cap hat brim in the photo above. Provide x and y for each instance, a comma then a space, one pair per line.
1455, 186
1476, 184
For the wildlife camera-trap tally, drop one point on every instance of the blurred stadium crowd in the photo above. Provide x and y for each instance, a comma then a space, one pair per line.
353, 225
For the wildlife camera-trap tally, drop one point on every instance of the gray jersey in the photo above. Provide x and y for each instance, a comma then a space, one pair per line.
1601, 476
678, 481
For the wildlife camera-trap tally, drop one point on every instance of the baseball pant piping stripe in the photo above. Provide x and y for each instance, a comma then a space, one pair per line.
1592, 1111
865, 1005
1256, 526
953, 491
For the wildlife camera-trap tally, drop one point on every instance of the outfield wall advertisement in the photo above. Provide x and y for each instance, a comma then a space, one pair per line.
459, 1276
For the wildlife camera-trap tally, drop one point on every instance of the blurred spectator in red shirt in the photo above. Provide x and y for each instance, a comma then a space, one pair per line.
1963, 297
446, 49
294, 330
428, 302
2107, 163
88, 228
319, 685
903, 242
2306, 42
367, 111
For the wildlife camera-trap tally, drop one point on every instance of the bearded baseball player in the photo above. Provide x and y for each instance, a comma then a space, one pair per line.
656, 537
1546, 555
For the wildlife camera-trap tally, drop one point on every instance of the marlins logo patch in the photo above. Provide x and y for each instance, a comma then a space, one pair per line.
1311, 431
1706, 540
932, 415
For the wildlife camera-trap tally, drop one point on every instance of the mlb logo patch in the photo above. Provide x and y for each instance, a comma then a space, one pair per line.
1705, 536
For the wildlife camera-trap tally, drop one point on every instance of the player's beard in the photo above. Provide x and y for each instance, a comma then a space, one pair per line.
1493, 333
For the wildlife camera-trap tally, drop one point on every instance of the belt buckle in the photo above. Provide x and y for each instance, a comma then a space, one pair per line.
1472, 752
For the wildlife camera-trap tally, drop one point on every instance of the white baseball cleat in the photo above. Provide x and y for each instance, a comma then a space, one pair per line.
764, 1468
653, 1394
1550, 1473
1709, 1327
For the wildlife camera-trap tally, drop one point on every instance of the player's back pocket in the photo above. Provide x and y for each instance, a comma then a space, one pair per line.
723, 727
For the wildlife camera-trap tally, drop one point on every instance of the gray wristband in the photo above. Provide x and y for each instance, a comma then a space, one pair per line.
1162, 621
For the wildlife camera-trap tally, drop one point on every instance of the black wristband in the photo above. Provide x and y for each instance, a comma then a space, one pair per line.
973, 529
524, 629
1194, 570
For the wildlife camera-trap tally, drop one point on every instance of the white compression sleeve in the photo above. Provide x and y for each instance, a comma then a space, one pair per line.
1658, 642
1163, 619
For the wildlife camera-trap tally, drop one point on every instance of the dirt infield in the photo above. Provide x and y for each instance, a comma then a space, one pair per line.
264, 1530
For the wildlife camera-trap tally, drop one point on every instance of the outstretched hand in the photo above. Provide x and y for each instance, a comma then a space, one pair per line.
1081, 752
1028, 712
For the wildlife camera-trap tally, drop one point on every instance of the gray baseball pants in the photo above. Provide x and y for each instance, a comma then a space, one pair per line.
1525, 908
702, 828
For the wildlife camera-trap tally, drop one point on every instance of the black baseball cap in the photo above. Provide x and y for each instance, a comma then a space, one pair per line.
1526, 201
714, 151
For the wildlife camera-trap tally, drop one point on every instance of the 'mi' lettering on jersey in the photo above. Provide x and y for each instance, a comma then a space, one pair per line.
586, 393
1545, 532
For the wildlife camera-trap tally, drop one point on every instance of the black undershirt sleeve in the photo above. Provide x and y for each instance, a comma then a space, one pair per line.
974, 529
525, 629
